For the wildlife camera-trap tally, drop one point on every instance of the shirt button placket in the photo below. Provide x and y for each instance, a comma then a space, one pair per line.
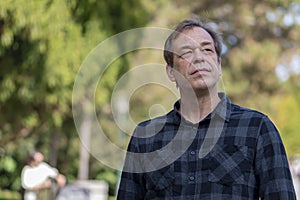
192, 155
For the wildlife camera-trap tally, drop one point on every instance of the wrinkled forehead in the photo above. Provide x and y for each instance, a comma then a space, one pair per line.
194, 36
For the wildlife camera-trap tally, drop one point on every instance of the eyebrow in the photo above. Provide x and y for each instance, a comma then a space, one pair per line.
204, 43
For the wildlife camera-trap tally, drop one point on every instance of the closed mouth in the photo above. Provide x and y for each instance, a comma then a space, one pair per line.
201, 70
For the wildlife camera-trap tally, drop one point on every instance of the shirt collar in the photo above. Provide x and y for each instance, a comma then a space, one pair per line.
222, 110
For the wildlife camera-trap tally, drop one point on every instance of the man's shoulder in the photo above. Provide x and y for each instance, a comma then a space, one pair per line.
237, 110
151, 127
249, 119
44, 165
157, 120
26, 168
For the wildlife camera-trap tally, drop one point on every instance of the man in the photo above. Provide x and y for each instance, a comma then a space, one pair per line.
39, 176
206, 147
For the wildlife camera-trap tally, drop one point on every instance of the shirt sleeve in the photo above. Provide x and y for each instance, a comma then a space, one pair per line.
271, 164
24, 178
48, 170
132, 185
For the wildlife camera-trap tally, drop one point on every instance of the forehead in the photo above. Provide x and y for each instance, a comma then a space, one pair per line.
193, 36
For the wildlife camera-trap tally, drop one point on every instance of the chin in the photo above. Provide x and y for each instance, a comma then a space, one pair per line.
200, 84
203, 86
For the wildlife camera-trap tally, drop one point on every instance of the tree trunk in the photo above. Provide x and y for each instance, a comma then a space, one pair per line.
85, 134
54, 148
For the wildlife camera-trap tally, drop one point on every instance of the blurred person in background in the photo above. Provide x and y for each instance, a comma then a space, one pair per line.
218, 150
39, 179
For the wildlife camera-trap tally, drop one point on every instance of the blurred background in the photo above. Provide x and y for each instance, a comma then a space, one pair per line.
44, 42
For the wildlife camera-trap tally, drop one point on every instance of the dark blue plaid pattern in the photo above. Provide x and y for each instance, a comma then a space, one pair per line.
247, 162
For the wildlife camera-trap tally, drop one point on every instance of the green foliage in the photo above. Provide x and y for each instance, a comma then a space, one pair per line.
8, 168
111, 178
43, 44
287, 117
9, 195
8, 164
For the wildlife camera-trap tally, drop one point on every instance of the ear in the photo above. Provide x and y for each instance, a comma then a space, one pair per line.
170, 73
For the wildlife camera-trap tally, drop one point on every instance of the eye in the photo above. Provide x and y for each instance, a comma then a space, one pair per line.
208, 50
186, 54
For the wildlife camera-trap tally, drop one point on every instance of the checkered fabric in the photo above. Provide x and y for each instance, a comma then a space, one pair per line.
245, 158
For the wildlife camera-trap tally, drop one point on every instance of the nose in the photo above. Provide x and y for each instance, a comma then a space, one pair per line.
198, 56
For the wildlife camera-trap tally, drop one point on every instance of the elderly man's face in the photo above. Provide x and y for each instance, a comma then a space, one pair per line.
195, 60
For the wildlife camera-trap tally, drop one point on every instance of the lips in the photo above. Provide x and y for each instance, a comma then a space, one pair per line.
199, 71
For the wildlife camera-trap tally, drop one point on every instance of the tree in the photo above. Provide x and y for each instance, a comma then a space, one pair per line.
38, 62
43, 44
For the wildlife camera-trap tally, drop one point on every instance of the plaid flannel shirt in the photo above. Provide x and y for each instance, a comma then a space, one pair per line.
248, 160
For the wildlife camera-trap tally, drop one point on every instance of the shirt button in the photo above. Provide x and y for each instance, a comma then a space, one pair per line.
192, 178
192, 152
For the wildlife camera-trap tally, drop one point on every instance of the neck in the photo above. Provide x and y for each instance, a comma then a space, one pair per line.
196, 107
